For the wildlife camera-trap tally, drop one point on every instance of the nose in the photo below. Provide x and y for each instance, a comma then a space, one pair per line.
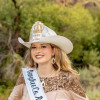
38, 49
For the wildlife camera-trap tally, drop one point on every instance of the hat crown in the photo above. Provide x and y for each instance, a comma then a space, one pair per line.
39, 30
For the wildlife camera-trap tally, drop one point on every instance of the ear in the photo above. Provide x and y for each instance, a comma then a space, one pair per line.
53, 51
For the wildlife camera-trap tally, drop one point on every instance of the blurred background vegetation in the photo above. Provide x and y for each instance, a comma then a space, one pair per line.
78, 20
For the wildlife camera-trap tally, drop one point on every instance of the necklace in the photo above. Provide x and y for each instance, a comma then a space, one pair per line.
43, 82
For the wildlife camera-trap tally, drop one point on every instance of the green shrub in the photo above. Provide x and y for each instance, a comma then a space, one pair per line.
90, 77
93, 94
90, 80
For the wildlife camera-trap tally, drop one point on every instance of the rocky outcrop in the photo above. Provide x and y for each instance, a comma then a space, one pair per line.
86, 4
66, 2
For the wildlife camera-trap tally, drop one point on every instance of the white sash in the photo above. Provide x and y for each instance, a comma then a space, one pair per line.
33, 84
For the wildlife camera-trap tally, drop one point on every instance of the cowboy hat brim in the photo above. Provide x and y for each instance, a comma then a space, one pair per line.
60, 41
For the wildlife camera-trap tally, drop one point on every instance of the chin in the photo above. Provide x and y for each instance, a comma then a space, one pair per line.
42, 62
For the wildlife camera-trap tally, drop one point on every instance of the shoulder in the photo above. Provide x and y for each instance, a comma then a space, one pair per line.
20, 79
72, 83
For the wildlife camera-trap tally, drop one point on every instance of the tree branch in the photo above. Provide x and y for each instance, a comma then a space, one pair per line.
15, 4
21, 3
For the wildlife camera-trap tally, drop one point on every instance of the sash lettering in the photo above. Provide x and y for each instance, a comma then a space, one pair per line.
33, 84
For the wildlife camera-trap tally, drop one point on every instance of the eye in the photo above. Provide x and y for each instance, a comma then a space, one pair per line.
33, 47
43, 46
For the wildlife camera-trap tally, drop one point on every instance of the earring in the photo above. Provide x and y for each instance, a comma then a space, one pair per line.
53, 60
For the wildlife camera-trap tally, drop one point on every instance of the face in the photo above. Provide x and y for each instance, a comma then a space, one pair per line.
42, 52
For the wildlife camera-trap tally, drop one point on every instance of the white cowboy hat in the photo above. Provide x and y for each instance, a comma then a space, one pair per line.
41, 33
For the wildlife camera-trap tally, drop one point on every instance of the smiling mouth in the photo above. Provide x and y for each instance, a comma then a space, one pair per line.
38, 56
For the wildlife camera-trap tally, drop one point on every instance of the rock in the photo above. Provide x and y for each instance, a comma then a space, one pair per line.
91, 5
67, 2
87, 4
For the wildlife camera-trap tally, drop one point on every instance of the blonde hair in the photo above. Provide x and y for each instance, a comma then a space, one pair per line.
62, 61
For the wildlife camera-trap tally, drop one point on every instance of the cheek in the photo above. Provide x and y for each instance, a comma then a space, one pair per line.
49, 52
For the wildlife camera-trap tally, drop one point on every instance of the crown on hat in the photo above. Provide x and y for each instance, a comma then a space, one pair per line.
38, 28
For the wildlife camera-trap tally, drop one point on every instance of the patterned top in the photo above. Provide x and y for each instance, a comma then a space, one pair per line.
63, 81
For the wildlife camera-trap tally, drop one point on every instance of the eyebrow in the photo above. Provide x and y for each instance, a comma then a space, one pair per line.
40, 44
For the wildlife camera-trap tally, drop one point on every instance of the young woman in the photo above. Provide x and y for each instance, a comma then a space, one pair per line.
54, 75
